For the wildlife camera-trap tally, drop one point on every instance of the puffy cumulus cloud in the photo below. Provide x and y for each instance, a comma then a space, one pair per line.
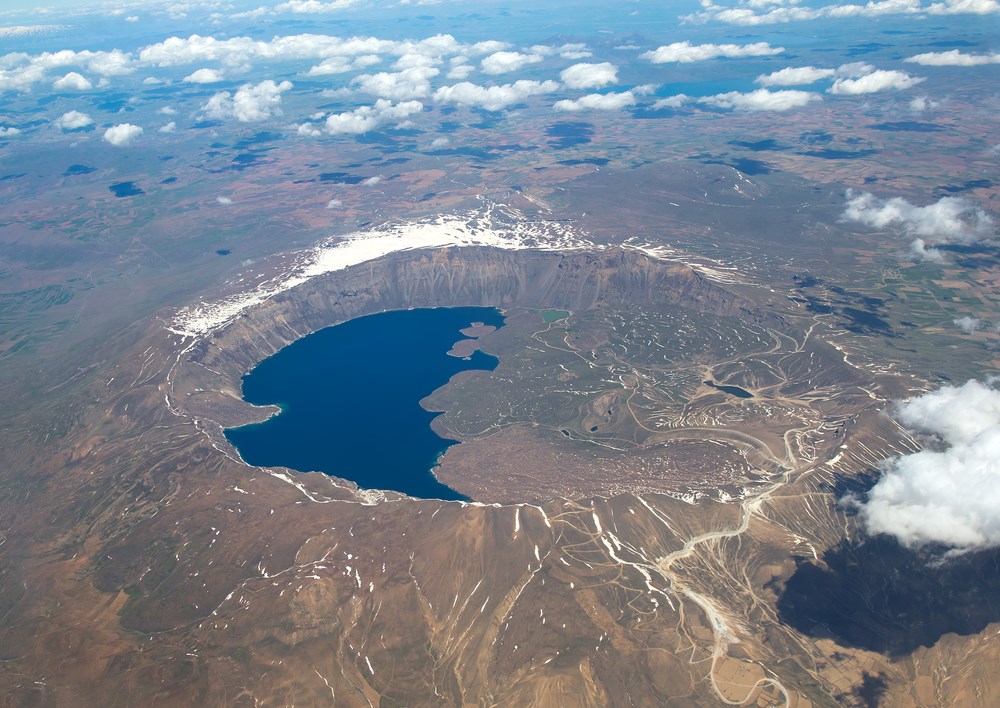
333, 65
589, 76
954, 58
239, 51
685, 52
493, 98
854, 70
920, 251
72, 82
122, 135
923, 103
204, 76
335, 54
949, 220
949, 492
8, 131
505, 62
73, 120
314, 7
439, 142
597, 102
403, 85
878, 80
412, 60
761, 100
752, 13
19, 72
965, 7
363, 119
334, 204
459, 72
967, 324
224, 201
795, 76
571, 51
366, 60
672, 101
343, 64
170, 127
113, 63
251, 102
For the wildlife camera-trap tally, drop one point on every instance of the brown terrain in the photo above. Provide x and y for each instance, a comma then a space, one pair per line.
144, 564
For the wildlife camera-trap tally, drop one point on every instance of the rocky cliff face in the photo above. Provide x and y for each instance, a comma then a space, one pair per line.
576, 281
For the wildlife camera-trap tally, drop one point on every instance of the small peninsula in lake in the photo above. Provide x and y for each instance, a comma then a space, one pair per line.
350, 398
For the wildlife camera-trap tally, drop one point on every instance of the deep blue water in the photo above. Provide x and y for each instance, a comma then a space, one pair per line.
350, 399
731, 390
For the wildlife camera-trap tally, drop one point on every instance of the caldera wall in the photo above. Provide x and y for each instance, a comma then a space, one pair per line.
207, 382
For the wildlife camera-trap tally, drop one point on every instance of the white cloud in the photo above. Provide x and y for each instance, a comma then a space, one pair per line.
333, 65
240, 51
169, 127
314, 7
504, 62
204, 76
493, 98
113, 63
439, 142
879, 80
335, 55
73, 120
363, 119
589, 76
949, 220
72, 82
954, 58
403, 85
167, 111
967, 324
597, 102
132, 18
489, 46
8, 132
922, 252
795, 76
28, 30
672, 101
20, 71
949, 492
572, 51
372, 181
334, 204
366, 60
752, 12
923, 103
122, 135
251, 103
685, 52
761, 100
460, 72
965, 7
854, 70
